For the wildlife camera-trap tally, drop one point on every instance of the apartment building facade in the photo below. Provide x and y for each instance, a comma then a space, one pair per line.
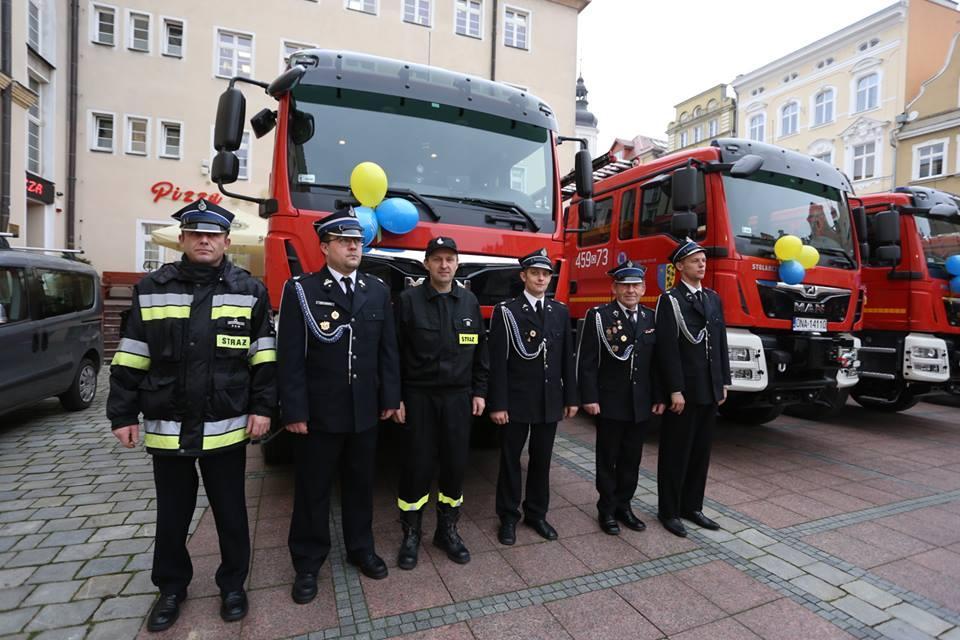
701, 118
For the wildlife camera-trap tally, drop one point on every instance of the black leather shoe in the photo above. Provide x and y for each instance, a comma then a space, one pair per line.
630, 520
609, 525
304, 587
674, 526
370, 565
507, 534
165, 612
542, 527
233, 605
699, 519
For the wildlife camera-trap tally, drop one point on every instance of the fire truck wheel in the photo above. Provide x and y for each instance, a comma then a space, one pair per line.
750, 415
903, 402
826, 408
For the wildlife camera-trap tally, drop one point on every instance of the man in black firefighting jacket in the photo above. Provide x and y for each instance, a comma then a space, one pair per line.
444, 366
197, 359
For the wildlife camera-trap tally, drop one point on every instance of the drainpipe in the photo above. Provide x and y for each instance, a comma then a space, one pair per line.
73, 73
493, 42
6, 111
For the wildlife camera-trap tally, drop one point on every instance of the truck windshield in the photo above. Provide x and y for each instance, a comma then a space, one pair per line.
464, 167
768, 205
940, 239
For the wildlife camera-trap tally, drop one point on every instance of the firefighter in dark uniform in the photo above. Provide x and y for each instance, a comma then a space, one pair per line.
694, 373
197, 359
444, 367
338, 375
533, 384
616, 369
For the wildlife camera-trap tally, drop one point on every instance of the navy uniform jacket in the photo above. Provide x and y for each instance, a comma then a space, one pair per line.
699, 371
342, 386
537, 390
623, 394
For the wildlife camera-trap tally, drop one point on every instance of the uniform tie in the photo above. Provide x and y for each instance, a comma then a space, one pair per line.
539, 308
633, 319
347, 286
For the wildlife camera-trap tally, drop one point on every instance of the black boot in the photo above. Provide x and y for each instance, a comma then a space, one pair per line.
447, 538
410, 547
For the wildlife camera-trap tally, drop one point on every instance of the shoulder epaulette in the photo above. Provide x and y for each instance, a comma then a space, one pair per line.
562, 304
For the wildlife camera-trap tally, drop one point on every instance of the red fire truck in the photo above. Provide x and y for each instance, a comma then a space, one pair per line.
911, 322
789, 344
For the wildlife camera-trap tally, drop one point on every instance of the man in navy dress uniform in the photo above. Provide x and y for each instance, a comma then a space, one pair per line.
339, 374
695, 372
533, 385
618, 385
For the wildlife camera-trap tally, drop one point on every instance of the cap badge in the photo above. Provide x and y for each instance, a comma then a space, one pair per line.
202, 206
543, 252
439, 240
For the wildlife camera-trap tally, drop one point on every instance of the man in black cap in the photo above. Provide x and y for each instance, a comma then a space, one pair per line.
197, 359
444, 366
339, 373
618, 384
533, 384
695, 371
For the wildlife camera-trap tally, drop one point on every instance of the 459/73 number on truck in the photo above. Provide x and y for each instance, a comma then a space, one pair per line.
592, 258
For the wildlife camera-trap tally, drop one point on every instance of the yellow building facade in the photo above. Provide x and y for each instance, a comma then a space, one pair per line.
705, 116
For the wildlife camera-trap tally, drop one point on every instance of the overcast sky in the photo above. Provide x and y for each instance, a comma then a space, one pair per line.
641, 57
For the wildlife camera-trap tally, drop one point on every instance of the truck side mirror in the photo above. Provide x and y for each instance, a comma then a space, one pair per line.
231, 112
226, 167
889, 254
585, 209
685, 189
886, 227
683, 224
583, 174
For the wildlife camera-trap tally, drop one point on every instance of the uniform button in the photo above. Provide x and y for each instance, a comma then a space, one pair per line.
354, 376
546, 366
192, 343
354, 357
353, 319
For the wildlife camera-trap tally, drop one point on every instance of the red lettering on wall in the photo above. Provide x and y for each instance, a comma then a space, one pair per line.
166, 189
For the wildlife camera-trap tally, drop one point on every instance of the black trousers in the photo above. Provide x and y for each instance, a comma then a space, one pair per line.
176, 481
619, 449
684, 458
436, 437
513, 436
317, 458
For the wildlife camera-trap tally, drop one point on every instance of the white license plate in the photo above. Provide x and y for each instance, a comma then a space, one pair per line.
809, 324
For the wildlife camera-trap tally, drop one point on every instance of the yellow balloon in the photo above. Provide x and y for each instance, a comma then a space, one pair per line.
788, 247
368, 181
809, 257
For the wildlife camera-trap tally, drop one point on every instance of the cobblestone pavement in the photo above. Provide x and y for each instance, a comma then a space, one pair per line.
840, 530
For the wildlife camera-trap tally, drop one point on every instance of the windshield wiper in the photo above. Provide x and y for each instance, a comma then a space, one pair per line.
409, 194
500, 205
761, 240
838, 252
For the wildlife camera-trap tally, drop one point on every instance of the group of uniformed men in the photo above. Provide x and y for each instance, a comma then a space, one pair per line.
200, 361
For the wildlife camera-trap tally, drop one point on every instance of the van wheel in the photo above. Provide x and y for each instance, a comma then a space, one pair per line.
83, 390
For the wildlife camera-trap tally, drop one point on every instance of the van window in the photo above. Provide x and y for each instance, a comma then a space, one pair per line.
13, 295
598, 232
65, 292
656, 212
628, 208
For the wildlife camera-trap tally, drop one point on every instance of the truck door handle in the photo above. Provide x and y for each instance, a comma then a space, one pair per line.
35, 345
45, 341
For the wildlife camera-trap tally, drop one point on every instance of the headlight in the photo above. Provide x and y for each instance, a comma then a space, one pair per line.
742, 374
927, 368
739, 354
925, 352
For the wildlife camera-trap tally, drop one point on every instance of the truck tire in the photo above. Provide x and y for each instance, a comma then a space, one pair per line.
750, 415
83, 389
903, 402
278, 450
828, 408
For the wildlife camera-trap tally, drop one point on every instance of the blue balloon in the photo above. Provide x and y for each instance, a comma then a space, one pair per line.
368, 219
397, 215
953, 265
792, 272
955, 284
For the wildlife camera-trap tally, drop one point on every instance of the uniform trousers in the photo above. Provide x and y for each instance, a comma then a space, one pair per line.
317, 458
177, 482
619, 449
684, 458
513, 436
436, 438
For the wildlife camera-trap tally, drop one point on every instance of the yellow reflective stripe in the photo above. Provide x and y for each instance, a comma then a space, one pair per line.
155, 441
450, 501
226, 439
131, 360
230, 311
267, 355
160, 313
233, 342
413, 506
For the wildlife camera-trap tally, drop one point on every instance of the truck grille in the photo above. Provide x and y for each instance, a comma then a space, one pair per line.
784, 301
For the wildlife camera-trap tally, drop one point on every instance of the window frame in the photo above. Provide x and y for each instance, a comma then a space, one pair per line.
37, 121
794, 116
762, 117
713, 128
832, 103
142, 239
42, 306
601, 239
628, 231
684, 139
416, 7
249, 159
698, 134
528, 26
376, 7
20, 277
854, 157
131, 15
36, 45
128, 120
93, 130
162, 140
856, 92
283, 50
944, 154
217, 30
94, 24
165, 41
467, 11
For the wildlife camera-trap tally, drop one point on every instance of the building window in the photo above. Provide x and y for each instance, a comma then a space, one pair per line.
234, 54
683, 139
172, 38
826, 156
789, 119
102, 133
417, 12
34, 129
468, 18
33, 25
151, 255
712, 128
137, 135
757, 128
364, 6
868, 90
929, 160
697, 134
105, 25
243, 155
170, 139
138, 26
518, 179
290, 48
823, 107
864, 160
516, 29
697, 112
